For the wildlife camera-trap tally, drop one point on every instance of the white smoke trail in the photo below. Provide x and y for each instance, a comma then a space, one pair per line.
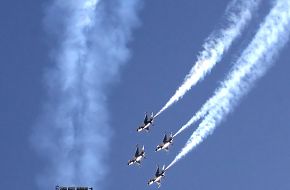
272, 35
194, 119
238, 14
73, 133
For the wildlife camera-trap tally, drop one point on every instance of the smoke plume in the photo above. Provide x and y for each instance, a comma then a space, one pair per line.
73, 132
238, 14
255, 60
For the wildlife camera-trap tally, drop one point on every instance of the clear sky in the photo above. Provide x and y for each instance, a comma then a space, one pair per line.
249, 150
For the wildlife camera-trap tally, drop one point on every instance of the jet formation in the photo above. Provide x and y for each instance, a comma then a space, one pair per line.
140, 154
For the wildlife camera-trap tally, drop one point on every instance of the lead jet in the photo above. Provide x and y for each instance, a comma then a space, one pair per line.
167, 141
158, 176
146, 123
139, 155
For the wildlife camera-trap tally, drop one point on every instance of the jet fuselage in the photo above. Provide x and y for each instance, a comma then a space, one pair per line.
164, 146
137, 159
156, 180
141, 128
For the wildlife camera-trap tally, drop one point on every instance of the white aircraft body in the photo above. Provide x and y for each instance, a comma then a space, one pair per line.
167, 141
158, 176
139, 155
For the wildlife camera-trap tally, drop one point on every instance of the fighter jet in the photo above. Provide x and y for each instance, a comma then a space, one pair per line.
146, 123
138, 156
167, 141
158, 176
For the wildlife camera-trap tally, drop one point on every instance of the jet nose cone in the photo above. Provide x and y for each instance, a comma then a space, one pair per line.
157, 148
130, 162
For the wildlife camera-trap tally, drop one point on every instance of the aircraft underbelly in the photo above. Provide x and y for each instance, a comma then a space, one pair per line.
158, 178
138, 158
166, 145
146, 126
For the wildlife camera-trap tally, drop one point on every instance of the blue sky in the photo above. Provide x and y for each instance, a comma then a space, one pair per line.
249, 150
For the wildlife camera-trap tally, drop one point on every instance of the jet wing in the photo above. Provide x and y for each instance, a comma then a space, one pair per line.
171, 137
142, 150
137, 152
152, 115
165, 138
145, 119
157, 172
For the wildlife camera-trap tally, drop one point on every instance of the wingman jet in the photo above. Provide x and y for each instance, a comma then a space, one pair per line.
158, 176
146, 123
167, 141
139, 155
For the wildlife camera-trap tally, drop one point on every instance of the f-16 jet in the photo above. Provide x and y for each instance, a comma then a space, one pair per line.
139, 155
158, 176
146, 123
167, 141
